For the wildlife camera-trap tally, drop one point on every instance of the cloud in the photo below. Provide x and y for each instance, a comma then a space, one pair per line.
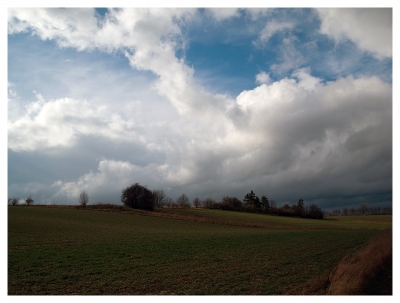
370, 29
306, 81
291, 57
149, 38
301, 137
257, 12
81, 28
263, 78
12, 93
58, 123
272, 28
220, 14
111, 176
295, 136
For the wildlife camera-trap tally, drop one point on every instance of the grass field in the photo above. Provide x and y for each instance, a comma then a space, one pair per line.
65, 251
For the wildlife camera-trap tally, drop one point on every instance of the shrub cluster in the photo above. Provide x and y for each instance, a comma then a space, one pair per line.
251, 203
362, 210
138, 196
15, 201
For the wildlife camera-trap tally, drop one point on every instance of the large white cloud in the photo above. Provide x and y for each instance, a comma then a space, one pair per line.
149, 38
336, 136
58, 123
369, 28
111, 176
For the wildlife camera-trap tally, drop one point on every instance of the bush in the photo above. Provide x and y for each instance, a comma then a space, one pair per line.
314, 212
231, 203
209, 203
139, 197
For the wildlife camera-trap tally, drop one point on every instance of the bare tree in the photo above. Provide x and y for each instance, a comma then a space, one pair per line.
183, 201
29, 200
362, 209
160, 198
196, 202
13, 201
168, 202
83, 199
209, 203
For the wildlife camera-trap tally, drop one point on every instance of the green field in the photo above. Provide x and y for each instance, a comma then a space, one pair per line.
65, 251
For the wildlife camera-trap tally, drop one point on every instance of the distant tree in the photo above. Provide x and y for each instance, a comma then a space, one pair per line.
315, 212
388, 210
300, 204
159, 198
183, 201
299, 208
372, 210
29, 200
251, 200
83, 199
286, 210
168, 202
209, 203
345, 211
138, 196
362, 209
257, 203
265, 204
231, 203
196, 202
13, 201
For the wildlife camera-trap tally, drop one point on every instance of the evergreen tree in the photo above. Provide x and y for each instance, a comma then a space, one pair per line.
300, 208
265, 203
257, 203
251, 199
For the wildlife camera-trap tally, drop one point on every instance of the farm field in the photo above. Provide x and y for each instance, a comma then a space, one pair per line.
66, 251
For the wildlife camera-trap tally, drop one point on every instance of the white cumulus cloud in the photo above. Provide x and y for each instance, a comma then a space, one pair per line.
58, 123
369, 28
263, 77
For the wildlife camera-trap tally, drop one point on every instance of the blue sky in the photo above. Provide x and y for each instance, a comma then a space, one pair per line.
290, 103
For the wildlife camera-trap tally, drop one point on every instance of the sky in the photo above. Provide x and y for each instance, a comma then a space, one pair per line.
288, 102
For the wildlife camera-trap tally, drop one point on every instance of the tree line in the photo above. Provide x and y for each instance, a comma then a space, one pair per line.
140, 197
16, 201
362, 210
252, 203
